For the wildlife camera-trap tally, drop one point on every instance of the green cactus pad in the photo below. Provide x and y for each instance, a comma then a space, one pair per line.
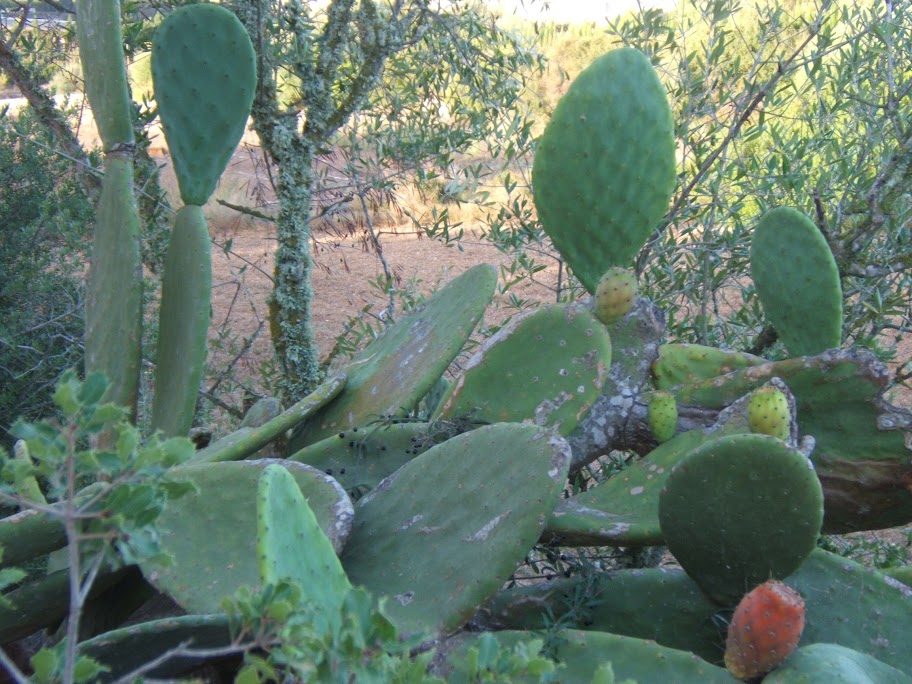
604, 169
545, 367
211, 534
360, 458
847, 604
582, 653
447, 529
856, 607
204, 72
291, 546
740, 510
246, 442
623, 510
832, 664
124, 650
393, 373
797, 281
183, 323
680, 364
864, 470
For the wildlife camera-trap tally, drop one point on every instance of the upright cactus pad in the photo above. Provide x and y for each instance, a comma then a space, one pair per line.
797, 281
546, 367
604, 169
291, 546
764, 630
446, 530
392, 374
740, 510
204, 71
211, 533
183, 323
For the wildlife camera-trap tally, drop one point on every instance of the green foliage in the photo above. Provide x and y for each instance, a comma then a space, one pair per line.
45, 216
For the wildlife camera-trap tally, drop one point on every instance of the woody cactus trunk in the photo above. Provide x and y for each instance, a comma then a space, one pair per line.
407, 499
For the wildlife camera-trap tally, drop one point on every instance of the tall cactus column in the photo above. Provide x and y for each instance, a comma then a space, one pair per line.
114, 296
204, 71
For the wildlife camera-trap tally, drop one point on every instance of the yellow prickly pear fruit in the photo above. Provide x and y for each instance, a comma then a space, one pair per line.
768, 413
662, 414
615, 294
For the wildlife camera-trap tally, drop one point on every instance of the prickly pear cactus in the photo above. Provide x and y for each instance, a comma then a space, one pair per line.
662, 414
211, 533
764, 630
291, 546
445, 531
583, 654
203, 94
614, 129
392, 374
680, 364
768, 413
546, 367
124, 650
797, 281
740, 510
615, 294
828, 663
183, 323
358, 459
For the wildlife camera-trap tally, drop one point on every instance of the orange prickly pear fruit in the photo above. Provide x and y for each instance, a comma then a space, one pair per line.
764, 630
615, 294
768, 413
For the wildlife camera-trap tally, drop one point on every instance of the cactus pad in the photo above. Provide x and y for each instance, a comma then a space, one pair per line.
604, 169
583, 655
615, 294
124, 650
443, 533
211, 533
291, 546
183, 323
797, 281
360, 458
764, 630
829, 663
545, 367
680, 364
204, 72
392, 374
740, 510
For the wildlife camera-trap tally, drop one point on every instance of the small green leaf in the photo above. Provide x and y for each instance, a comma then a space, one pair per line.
92, 390
44, 665
87, 669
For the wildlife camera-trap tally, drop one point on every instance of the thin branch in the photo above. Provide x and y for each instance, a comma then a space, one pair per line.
247, 211
49, 115
11, 667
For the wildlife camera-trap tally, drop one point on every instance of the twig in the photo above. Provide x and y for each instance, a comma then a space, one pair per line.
11, 667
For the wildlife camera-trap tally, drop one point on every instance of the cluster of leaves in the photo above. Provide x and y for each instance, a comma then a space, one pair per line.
286, 637
45, 218
90, 469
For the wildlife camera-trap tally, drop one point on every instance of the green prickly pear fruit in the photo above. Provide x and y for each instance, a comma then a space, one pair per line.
662, 414
764, 630
615, 294
768, 413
